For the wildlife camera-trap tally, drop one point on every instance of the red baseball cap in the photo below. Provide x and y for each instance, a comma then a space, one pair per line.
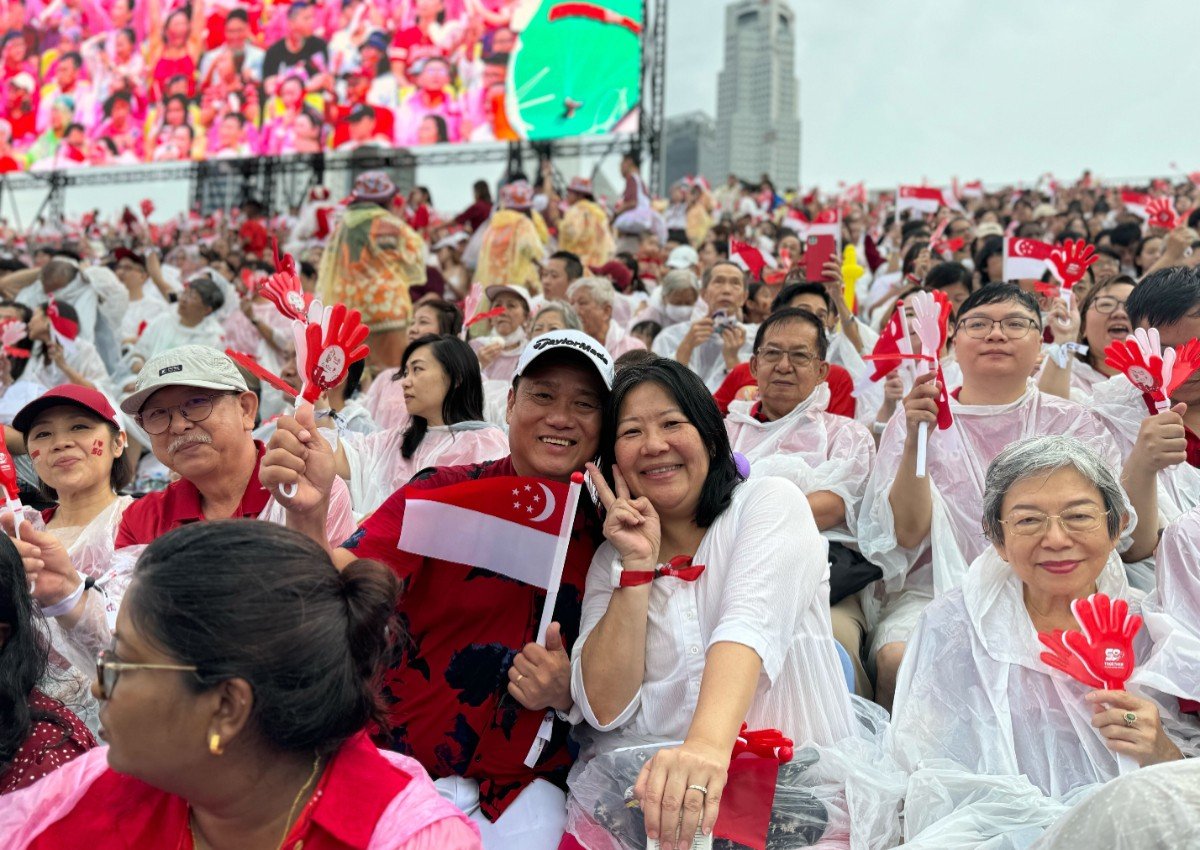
89, 399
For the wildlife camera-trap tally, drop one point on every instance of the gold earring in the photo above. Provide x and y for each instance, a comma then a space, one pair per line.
214, 744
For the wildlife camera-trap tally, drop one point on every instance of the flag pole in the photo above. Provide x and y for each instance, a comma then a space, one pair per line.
560, 555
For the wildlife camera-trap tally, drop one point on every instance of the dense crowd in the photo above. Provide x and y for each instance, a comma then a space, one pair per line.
891, 519
123, 82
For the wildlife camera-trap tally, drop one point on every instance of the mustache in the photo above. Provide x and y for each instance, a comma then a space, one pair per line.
186, 440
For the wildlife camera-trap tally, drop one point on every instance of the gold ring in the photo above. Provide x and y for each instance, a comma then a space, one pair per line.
521, 676
1130, 719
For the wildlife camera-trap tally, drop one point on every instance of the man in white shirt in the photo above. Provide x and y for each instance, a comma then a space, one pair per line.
717, 342
145, 302
191, 323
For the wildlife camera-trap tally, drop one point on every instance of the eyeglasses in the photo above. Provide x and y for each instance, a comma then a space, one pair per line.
1106, 305
108, 671
1014, 327
158, 419
1037, 524
798, 359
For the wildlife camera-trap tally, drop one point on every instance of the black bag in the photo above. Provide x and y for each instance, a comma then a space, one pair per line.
849, 572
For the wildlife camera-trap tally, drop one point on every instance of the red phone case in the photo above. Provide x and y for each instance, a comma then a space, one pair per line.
821, 250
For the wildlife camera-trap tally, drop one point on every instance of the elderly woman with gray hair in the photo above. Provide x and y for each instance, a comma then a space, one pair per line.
592, 299
997, 743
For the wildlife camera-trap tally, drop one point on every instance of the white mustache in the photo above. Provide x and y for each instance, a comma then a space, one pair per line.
186, 440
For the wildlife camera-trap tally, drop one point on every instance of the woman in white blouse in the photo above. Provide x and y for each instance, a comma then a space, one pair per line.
662, 659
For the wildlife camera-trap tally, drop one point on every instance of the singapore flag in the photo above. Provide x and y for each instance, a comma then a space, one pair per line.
1025, 259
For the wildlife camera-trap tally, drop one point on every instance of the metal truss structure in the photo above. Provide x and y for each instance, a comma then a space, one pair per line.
282, 182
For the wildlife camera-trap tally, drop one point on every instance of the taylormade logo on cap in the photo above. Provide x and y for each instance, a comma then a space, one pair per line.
546, 342
169, 370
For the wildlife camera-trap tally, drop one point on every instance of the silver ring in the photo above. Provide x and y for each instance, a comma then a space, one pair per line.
699, 788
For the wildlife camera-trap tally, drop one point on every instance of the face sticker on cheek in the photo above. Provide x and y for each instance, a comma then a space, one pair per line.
35, 454
98, 448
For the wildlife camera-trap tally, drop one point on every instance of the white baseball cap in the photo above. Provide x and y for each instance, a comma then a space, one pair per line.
683, 257
186, 366
569, 340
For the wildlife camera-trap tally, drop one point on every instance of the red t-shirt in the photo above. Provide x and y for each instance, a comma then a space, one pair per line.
841, 389
447, 696
178, 504
118, 812
48, 745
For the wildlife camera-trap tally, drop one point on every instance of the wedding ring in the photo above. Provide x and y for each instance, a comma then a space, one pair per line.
699, 788
1130, 719
521, 676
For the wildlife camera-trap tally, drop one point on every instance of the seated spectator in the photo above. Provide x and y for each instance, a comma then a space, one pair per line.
789, 433
997, 342
362, 128
592, 300
195, 409
710, 351
443, 394
433, 95
758, 610
78, 451
473, 728
222, 700
247, 56
59, 356
998, 744
38, 734
500, 351
1104, 321
191, 322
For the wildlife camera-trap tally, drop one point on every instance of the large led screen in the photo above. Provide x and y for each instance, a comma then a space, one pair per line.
121, 82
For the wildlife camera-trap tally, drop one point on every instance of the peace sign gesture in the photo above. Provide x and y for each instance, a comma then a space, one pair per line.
630, 525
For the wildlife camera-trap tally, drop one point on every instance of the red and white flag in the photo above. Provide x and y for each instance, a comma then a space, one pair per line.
1136, 203
855, 193
750, 258
517, 527
795, 220
924, 199
974, 189
1025, 259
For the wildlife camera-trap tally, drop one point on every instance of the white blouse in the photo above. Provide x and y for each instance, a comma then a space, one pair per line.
765, 586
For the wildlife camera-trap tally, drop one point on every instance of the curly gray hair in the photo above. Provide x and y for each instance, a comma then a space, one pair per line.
1044, 455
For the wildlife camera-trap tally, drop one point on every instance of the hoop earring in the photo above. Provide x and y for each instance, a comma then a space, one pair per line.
214, 744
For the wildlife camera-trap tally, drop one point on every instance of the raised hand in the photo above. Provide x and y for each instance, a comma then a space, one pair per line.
1070, 261
630, 525
1160, 212
301, 461
1105, 642
1061, 658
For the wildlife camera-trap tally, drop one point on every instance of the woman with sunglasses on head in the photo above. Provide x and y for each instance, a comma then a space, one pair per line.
38, 733
1074, 373
998, 742
443, 393
78, 451
708, 606
236, 695
924, 531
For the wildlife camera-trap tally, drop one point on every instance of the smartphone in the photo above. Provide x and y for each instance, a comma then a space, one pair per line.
821, 249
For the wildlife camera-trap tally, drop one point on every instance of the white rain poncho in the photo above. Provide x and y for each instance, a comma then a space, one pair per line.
73, 651
1151, 809
957, 464
708, 360
868, 394
1172, 612
765, 586
1120, 406
998, 745
843, 353
378, 469
810, 447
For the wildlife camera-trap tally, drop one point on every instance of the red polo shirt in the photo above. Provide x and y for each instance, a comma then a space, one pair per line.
447, 693
155, 514
119, 812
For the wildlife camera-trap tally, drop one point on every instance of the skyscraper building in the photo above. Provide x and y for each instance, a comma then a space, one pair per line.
758, 103
687, 148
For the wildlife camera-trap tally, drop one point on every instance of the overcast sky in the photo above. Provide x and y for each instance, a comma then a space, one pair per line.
928, 89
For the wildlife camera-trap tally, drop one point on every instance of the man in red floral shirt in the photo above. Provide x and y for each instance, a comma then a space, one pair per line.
468, 690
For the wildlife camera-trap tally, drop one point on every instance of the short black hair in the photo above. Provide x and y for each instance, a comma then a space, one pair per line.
793, 314
1164, 297
238, 14
999, 293
571, 262
947, 274
794, 290
1126, 235
991, 247
699, 408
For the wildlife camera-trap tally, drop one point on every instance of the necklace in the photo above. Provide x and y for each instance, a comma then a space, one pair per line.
291, 812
